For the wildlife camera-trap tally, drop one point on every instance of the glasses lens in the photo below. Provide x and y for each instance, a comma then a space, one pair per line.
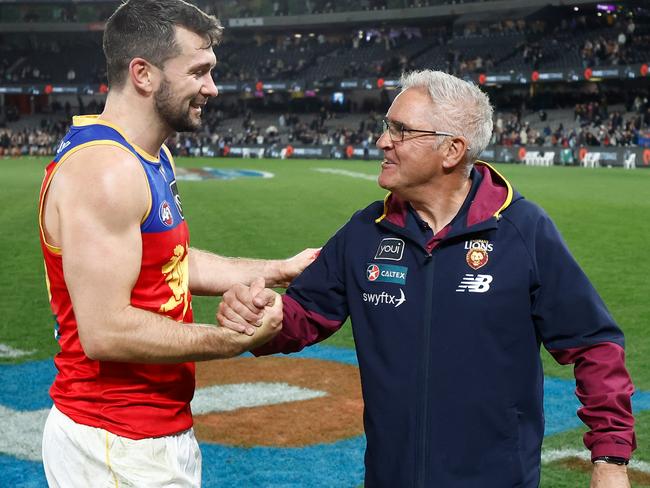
394, 130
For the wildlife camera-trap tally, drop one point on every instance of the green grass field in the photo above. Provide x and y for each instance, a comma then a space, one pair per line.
604, 214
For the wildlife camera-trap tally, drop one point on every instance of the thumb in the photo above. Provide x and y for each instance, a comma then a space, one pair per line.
257, 286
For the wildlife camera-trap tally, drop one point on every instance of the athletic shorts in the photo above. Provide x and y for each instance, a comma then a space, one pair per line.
80, 456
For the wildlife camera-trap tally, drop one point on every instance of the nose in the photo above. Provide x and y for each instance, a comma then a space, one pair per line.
210, 88
384, 142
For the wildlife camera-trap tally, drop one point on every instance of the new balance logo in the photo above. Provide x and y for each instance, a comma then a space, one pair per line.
475, 284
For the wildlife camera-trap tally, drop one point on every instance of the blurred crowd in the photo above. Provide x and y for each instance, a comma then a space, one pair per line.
590, 124
593, 125
32, 141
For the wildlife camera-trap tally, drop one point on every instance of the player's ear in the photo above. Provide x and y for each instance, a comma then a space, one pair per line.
142, 75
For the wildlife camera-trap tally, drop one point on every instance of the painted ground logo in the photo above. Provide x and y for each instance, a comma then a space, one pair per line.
289, 421
207, 173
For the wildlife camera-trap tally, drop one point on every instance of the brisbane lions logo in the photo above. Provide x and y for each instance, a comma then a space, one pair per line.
476, 258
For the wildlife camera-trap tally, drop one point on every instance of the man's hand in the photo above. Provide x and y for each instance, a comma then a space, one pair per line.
271, 321
292, 267
242, 308
606, 475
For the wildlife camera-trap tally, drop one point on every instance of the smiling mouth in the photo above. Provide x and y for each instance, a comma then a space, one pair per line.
197, 106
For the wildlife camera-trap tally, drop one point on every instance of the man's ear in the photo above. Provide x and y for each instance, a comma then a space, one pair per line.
455, 152
142, 76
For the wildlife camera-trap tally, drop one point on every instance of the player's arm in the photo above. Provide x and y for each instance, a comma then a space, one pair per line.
100, 198
315, 305
211, 274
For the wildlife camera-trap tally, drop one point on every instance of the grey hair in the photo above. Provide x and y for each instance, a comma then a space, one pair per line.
463, 107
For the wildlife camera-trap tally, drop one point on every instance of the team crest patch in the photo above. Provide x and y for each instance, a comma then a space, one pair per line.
165, 213
476, 258
386, 273
390, 248
477, 252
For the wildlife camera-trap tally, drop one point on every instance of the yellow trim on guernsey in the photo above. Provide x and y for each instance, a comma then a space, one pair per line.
84, 120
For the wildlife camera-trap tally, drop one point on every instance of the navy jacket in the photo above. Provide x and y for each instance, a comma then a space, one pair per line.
448, 331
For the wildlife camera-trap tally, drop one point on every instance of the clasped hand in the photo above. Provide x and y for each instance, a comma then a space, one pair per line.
251, 309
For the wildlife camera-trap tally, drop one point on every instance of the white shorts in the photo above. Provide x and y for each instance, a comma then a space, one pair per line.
76, 455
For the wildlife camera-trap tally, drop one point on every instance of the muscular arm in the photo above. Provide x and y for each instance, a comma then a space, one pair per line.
100, 196
211, 274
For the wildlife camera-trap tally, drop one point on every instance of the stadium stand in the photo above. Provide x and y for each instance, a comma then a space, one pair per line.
561, 77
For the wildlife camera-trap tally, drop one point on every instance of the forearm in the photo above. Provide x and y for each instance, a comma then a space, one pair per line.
604, 388
136, 335
301, 328
211, 274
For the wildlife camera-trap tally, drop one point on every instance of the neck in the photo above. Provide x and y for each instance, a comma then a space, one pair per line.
438, 204
137, 118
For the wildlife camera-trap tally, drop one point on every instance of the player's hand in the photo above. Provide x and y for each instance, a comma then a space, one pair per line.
606, 475
292, 267
242, 307
271, 322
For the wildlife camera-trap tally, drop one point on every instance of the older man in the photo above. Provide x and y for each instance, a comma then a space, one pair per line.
452, 284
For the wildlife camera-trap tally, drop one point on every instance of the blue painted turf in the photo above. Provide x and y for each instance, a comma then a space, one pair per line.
25, 387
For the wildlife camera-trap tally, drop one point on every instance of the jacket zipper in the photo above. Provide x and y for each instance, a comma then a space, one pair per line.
422, 441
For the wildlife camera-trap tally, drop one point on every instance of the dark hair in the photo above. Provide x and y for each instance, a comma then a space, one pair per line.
146, 29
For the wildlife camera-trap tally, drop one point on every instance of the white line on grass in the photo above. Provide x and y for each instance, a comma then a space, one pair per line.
345, 172
8, 352
550, 455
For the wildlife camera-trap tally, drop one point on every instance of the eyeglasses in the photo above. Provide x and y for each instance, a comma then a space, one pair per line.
396, 131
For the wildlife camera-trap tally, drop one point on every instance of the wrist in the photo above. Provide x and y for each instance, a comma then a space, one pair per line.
615, 460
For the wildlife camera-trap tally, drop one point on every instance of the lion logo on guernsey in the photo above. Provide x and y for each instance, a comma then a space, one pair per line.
165, 213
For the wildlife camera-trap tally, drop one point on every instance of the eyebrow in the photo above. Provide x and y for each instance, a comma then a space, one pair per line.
398, 122
201, 67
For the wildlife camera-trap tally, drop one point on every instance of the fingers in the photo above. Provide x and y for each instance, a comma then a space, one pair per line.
273, 314
243, 295
237, 310
226, 319
265, 298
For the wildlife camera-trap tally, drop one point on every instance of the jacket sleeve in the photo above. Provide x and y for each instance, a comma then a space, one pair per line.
576, 328
315, 305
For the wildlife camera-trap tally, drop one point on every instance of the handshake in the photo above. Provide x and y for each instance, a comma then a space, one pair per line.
255, 311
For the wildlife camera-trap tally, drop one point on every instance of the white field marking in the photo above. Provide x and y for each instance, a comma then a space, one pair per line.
225, 398
22, 431
550, 455
345, 172
8, 352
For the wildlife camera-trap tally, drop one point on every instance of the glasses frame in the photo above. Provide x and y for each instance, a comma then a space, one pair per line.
387, 123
